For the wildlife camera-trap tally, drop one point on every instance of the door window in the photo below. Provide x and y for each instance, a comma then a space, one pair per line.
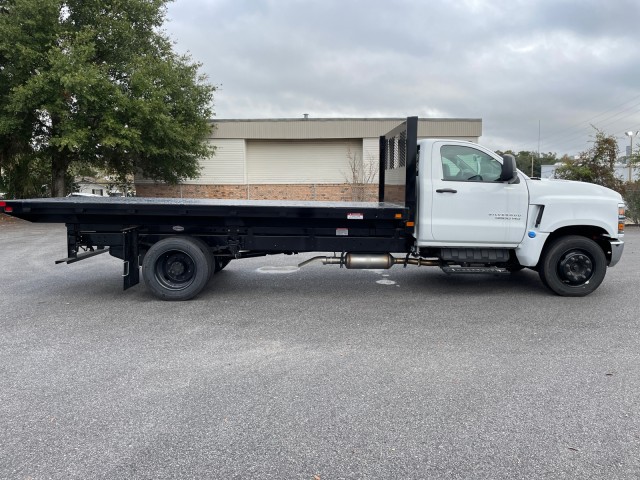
467, 164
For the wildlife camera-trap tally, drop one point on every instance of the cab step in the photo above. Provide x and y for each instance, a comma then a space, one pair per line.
493, 270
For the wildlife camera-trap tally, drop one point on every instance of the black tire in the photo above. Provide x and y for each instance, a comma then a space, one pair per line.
176, 268
211, 261
573, 266
221, 262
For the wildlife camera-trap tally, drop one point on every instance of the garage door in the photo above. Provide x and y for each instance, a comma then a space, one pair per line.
301, 161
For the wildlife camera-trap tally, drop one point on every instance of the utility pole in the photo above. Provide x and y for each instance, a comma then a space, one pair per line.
538, 149
631, 134
532, 157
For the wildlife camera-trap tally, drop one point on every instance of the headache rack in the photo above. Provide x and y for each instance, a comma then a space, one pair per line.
398, 166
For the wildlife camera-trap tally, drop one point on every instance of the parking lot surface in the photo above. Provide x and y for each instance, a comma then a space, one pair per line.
314, 373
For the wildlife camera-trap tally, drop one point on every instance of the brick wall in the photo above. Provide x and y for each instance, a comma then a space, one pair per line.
322, 192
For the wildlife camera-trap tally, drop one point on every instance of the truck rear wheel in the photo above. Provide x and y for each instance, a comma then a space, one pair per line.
573, 266
211, 261
176, 268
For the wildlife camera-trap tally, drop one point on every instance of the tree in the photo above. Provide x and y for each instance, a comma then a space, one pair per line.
25, 177
632, 198
97, 83
595, 165
360, 176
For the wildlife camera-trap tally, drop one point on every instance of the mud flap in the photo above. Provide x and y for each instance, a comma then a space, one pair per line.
131, 274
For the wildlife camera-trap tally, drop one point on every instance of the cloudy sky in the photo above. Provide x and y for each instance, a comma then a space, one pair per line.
560, 65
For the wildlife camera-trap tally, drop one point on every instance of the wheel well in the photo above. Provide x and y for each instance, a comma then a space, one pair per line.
596, 234
215, 243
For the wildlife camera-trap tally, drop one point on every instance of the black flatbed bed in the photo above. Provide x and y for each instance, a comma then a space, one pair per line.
252, 226
135, 210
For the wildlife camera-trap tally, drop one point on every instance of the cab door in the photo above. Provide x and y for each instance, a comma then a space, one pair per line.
470, 205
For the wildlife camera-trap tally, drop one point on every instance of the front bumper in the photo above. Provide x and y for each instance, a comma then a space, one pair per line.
617, 246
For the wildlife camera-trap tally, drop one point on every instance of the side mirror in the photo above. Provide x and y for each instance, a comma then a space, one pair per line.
509, 171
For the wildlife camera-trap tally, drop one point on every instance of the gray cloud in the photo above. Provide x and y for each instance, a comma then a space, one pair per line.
512, 63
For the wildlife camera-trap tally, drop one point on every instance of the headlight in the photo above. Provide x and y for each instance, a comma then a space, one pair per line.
621, 217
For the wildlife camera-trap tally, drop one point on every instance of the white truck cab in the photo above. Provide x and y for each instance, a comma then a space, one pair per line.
472, 200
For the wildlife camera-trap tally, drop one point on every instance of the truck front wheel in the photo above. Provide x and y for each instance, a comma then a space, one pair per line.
176, 268
573, 266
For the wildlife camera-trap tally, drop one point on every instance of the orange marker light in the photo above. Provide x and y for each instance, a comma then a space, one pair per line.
398, 215
411, 224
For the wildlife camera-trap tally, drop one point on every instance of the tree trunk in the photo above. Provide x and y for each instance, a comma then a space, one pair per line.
59, 167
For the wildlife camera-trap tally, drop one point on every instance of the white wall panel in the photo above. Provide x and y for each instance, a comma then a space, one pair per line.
303, 161
227, 166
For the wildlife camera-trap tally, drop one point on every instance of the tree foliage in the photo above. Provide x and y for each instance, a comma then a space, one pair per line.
25, 177
595, 165
98, 83
632, 198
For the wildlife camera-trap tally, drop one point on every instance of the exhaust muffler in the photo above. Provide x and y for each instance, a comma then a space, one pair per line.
367, 261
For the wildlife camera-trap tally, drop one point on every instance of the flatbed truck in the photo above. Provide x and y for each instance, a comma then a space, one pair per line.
446, 203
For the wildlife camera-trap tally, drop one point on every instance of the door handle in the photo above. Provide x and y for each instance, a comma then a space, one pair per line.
446, 190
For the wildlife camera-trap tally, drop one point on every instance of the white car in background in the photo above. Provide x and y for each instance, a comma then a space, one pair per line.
80, 194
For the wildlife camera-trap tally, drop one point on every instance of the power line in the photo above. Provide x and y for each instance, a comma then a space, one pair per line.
590, 120
582, 129
570, 138
577, 136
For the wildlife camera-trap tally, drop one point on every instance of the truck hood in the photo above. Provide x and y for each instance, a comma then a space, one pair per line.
567, 203
549, 190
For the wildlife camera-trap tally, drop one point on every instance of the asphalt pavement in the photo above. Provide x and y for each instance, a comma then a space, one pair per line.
321, 373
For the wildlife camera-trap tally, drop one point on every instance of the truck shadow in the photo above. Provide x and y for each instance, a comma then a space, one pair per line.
362, 284
523, 282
